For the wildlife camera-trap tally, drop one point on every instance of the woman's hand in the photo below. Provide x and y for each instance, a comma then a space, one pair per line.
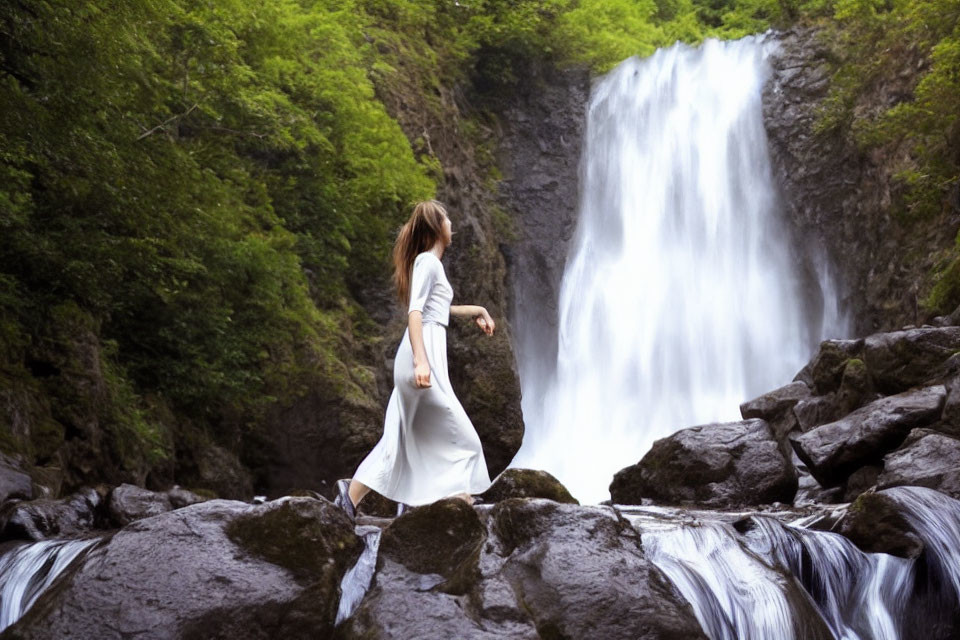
485, 322
421, 375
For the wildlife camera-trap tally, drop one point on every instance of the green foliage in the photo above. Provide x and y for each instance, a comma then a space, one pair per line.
204, 178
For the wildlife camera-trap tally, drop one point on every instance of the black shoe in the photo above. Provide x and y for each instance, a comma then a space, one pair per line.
343, 499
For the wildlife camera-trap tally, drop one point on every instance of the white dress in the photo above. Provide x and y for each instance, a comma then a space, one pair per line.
429, 449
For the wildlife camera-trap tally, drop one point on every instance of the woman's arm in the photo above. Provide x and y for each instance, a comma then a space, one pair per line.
478, 313
421, 366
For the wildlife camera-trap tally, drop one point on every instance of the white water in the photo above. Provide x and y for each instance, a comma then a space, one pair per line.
780, 580
680, 297
356, 581
29, 569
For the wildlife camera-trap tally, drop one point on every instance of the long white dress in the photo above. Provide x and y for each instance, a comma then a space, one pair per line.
429, 449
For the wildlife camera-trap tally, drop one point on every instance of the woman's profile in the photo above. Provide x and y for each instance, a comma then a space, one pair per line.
429, 448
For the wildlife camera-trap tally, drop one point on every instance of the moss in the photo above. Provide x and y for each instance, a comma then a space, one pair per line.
528, 483
944, 297
311, 538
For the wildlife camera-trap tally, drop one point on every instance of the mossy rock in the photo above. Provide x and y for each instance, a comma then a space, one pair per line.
312, 538
875, 524
443, 538
527, 483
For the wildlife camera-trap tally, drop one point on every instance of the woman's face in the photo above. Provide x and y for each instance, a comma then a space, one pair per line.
447, 231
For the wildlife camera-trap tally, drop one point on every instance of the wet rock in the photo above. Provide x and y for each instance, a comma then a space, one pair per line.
572, 567
834, 450
926, 459
859, 481
902, 359
14, 482
128, 503
829, 363
776, 407
717, 465
263, 571
527, 483
546, 570
442, 538
875, 523
46, 518
817, 410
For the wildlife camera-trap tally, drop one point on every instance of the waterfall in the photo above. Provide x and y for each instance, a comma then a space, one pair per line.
27, 570
771, 577
356, 581
682, 295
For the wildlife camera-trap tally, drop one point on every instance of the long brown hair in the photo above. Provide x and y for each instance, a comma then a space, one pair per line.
418, 234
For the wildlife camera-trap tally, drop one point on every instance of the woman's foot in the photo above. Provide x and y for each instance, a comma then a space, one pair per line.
343, 499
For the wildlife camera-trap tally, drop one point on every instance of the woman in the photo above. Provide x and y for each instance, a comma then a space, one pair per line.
429, 448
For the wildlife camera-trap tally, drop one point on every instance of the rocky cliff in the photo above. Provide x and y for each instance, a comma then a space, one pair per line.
841, 199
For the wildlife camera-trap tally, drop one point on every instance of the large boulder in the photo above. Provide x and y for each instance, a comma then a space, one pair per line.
581, 572
527, 483
217, 569
45, 518
926, 459
727, 464
834, 450
902, 359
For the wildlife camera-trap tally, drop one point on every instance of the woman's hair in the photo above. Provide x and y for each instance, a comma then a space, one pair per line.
417, 235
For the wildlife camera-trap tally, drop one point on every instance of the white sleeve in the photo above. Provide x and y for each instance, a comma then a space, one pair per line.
424, 276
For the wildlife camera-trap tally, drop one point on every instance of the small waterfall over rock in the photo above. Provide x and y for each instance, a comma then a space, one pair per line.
27, 570
357, 579
769, 576
682, 295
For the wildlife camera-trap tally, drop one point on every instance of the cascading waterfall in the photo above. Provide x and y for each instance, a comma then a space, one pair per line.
681, 296
29, 569
781, 580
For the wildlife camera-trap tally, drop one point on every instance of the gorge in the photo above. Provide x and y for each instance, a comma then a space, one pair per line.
711, 359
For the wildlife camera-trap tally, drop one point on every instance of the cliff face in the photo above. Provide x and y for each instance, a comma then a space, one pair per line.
539, 155
842, 199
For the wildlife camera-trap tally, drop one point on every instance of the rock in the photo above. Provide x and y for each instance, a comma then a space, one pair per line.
829, 363
926, 459
442, 538
859, 481
876, 524
264, 571
950, 418
128, 503
776, 407
527, 483
374, 504
727, 464
180, 497
839, 202
14, 483
546, 570
221, 471
834, 450
817, 410
46, 518
566, 564
903, 359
